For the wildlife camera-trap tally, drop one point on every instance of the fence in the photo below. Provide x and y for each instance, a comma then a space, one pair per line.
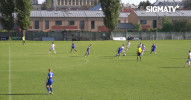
38, 36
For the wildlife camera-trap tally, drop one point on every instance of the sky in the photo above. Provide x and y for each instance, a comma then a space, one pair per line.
136, 2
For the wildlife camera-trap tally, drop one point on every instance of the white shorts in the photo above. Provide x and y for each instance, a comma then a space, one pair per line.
52, 49
128, 47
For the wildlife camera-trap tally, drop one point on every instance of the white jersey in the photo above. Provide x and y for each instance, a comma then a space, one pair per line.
52, 46
143, 47
189, 55
123, 47
140, 45
128, 44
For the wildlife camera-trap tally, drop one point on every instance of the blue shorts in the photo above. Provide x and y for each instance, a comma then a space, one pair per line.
189, 59
153, 50
119, 52
73, 47
49, 83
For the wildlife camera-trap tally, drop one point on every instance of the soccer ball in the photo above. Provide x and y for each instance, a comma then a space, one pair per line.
124, 55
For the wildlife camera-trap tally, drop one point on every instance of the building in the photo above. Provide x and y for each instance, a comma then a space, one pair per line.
35, 5
180, 3
75, 2
70, 21
154, 19
34, 2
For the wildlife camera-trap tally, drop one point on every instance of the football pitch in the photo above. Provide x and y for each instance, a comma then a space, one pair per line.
24, 69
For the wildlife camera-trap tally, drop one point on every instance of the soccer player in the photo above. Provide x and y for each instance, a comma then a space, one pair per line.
140, 45
73, 47
119, 52
153, 48
139, 53
88, 50
128, 45
49, 81
123, 50
189, 59
143, 49
52, 48
23, 38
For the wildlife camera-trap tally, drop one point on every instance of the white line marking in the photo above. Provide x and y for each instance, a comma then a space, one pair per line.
9, 73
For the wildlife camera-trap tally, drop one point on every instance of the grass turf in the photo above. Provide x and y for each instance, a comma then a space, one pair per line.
99, 76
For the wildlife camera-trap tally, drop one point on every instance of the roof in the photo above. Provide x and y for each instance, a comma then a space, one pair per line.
169, 3
143, 13
96, 8
125, 26
75, 14
178, 13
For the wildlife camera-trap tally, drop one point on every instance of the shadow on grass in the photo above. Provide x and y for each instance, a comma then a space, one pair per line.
171, 67
27, 94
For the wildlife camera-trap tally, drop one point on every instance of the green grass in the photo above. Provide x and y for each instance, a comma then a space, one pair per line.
99, 76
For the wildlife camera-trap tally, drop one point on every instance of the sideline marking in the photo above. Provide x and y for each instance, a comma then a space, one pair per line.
9, 73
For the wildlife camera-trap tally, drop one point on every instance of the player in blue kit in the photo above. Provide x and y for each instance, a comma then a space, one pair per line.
120, 49
153, 48
88, 50
49, 81
73, 47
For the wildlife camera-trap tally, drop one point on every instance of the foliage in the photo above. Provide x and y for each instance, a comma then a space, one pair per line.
7, 9
144, 4
182, 25
111, 9
23, 9
166, 25
187, 4
47, 4
138, 27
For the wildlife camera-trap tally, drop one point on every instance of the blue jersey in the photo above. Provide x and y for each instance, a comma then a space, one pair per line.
50, 75
120, 49
153, 47
73, 45
88, 49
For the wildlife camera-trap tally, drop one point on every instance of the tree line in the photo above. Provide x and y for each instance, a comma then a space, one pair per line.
21, 8
182, 25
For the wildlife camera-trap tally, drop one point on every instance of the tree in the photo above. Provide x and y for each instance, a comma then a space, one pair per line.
7, 19
111, 9
23, 9
138, 27
47, 4
187, 4
143, 4
182, 25
166, 25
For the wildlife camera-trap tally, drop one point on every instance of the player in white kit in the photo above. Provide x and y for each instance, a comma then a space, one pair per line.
140, 45
123, 50
52, 48
128, 45
189, 59
143, 49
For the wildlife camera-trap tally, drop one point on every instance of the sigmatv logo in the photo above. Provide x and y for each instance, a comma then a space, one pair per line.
162, 8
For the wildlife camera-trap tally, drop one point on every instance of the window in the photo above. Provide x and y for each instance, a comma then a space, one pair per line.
119, 21
143, 22
92, 24
81, 24
154, 23
71, 23
58, 22
36, 25
47, 24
